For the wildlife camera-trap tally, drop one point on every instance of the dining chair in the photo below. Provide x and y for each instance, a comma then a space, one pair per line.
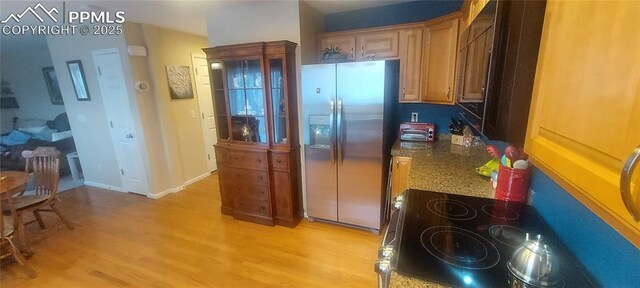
44, 163
7, 247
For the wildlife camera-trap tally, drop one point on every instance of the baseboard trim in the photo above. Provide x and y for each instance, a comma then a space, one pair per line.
197, 178
105, 186
165, 192
179, 188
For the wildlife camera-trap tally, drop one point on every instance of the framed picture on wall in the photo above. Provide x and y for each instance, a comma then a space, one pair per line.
51, 80
179, 78
78, 80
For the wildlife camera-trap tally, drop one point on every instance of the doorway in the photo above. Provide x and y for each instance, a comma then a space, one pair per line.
205, 101
120, 116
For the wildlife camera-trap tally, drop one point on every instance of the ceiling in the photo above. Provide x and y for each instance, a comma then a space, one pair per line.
185, 15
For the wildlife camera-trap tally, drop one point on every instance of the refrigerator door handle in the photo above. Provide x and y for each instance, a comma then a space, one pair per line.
332, 131
340, 136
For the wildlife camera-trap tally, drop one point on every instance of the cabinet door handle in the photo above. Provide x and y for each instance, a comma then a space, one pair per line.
397, 164
351, 54
403, 92
449, 92
625, 183
362, 51
482, 90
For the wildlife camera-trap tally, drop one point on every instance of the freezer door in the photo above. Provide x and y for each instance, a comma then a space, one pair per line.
318, 106
360, 111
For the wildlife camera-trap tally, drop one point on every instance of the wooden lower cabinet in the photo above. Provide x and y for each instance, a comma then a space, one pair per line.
260, 186
400, 174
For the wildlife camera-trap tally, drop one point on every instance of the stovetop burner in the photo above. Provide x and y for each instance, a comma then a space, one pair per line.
451, 209
460, 247
508, 235
501, 211
444, 239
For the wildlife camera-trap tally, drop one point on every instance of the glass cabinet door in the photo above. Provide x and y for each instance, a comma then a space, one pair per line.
219, 100
278, 101
246, 100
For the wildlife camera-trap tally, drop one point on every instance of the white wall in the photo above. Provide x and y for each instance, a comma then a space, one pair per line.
311, 23
178, 146
254, 21
22, 62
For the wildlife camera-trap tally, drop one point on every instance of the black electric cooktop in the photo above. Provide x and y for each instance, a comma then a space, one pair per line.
464, 241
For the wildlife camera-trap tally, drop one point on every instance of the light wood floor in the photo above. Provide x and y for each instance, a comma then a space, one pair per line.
182, 240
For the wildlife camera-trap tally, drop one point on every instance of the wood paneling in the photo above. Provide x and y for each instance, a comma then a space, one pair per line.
585, 114
181, 240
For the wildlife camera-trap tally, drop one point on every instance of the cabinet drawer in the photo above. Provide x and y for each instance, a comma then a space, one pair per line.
280, 161
249, 176
251, 205
251, 190
246, 159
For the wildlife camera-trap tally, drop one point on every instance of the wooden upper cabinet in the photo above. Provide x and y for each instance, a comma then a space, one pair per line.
347, 44
377, 45
427, 55
439, 61
585, 116
476, 65
410, 61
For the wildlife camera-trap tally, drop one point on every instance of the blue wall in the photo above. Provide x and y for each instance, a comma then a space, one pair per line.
610, 258
430, 113
407, 12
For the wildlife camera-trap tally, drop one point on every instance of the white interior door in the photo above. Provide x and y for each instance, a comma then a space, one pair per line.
205, 101
119, 114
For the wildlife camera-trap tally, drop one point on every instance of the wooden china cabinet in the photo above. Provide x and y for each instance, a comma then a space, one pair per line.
254, 92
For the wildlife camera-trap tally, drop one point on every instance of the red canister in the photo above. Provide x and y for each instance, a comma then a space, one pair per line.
513, 184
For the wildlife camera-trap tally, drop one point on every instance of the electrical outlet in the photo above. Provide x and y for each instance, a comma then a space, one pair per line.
414, 116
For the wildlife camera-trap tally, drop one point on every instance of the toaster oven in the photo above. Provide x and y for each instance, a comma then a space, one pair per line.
422, 132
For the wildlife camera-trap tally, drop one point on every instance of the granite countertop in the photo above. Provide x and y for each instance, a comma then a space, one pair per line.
442, 167
447, 168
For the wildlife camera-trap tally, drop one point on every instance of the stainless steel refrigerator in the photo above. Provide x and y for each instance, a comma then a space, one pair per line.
348, 113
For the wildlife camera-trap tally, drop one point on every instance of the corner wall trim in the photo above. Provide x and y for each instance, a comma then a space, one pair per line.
197, 178
105, 186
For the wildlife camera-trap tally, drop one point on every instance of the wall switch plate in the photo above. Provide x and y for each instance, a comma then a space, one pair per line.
414, 116
193, 114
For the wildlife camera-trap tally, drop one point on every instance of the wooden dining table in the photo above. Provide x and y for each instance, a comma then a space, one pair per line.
19, 183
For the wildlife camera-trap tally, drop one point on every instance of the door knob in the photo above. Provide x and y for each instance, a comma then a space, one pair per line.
129, 136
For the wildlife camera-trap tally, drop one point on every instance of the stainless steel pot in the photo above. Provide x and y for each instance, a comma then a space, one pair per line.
534, 263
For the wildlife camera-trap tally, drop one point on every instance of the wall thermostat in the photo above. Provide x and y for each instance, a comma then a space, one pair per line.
142, 86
